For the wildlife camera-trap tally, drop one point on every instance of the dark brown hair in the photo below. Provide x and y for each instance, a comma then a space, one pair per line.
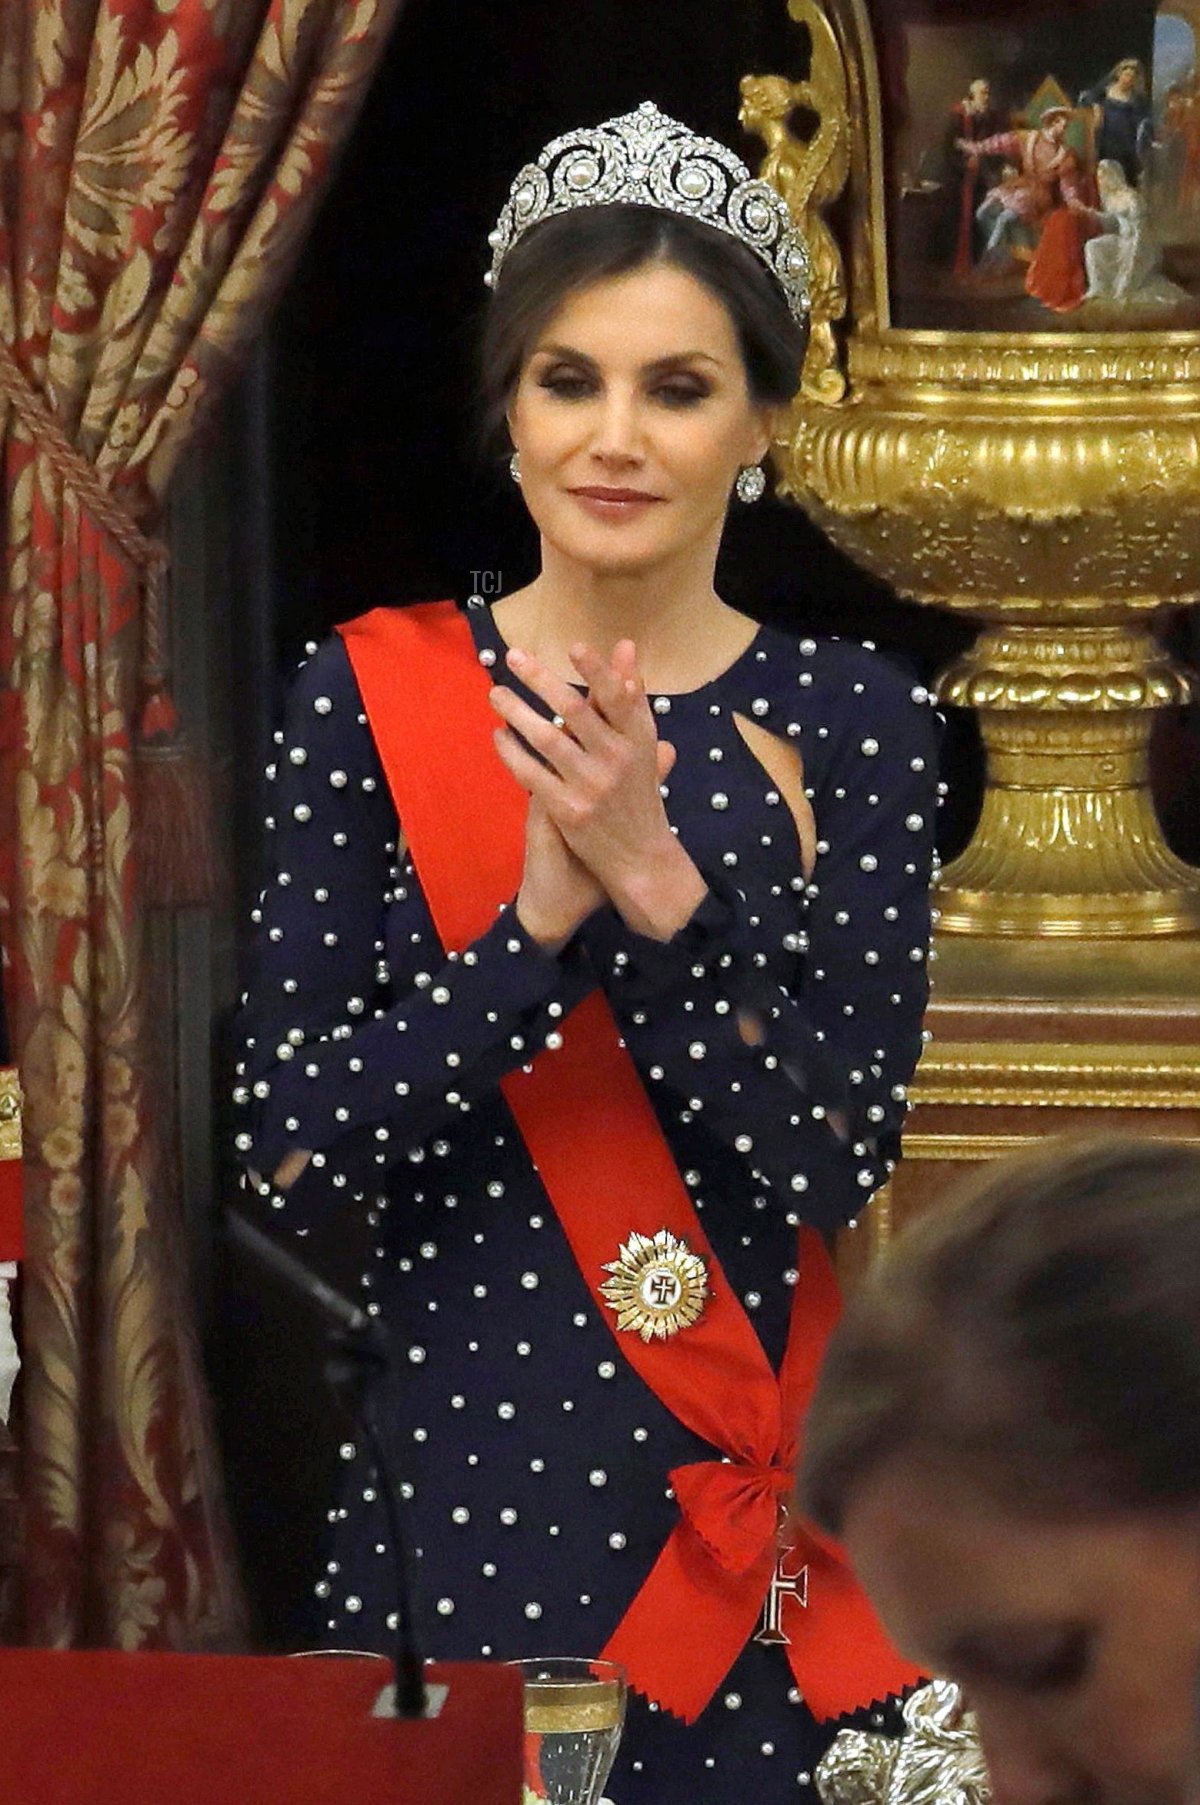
1039, 1332
572, 250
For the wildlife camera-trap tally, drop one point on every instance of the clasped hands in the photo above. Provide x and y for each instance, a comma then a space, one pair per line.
597, 830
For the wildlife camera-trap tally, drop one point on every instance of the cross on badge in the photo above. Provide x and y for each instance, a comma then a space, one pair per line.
657, 1287
662, 1289
790, 1580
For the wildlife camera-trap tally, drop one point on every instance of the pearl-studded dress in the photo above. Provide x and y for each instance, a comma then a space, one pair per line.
535, 1496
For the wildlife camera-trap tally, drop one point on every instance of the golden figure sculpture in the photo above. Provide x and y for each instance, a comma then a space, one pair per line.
812, 177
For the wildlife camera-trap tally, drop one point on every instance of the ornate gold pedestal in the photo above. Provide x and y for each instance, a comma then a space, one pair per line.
1068, 839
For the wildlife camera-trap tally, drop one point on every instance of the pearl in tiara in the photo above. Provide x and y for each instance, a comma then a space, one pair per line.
647, 159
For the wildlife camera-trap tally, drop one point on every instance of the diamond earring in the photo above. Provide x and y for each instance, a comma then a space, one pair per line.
514, 466
752, 483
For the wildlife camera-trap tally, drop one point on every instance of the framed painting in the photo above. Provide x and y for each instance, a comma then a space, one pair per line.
1044, 166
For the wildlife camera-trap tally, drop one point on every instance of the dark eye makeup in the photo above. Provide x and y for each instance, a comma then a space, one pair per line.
565, 384
683, 394
575, 385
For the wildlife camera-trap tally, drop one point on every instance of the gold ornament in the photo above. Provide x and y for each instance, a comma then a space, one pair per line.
658, 1286
938, 1758
810, 177
1044, 483
10, 1114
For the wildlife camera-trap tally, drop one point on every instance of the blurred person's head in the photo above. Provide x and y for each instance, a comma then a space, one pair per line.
1007, 1438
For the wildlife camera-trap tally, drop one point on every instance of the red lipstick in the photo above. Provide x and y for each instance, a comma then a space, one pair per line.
613, 504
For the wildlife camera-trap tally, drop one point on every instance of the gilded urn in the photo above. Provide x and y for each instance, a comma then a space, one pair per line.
1000, 412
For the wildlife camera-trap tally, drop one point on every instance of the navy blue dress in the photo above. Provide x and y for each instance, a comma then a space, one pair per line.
1125, 132
535, 1495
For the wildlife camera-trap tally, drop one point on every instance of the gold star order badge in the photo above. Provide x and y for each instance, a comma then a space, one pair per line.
658, 1286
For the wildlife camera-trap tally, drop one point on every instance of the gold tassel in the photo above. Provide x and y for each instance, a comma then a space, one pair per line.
174, 843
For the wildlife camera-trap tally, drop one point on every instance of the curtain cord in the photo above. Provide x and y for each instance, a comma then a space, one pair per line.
149, 556
175, 844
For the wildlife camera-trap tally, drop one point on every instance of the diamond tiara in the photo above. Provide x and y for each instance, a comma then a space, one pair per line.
647, 159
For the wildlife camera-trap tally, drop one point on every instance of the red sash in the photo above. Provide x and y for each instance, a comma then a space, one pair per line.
608, 1171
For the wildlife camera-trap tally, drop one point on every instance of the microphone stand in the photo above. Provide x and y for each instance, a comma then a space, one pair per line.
356, 1361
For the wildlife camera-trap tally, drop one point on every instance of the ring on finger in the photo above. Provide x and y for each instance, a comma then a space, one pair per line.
559, 722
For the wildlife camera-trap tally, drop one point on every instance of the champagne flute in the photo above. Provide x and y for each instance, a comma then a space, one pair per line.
574, 1710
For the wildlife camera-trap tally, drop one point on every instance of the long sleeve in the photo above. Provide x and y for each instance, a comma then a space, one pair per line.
764, 1063
336, 1061
1001, 144
1071, 182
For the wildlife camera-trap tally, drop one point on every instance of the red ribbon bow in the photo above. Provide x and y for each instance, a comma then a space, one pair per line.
733, 1509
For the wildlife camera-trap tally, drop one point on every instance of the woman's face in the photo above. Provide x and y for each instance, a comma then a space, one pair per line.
633, 417
1076, 1643
1127, 79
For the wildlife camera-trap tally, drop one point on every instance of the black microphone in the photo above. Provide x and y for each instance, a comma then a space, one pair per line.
303, 1280
357, 1360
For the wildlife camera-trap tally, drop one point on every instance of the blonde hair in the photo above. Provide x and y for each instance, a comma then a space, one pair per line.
1134, 63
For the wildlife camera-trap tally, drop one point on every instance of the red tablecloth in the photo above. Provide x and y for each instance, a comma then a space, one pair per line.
117, 1729
12, 1243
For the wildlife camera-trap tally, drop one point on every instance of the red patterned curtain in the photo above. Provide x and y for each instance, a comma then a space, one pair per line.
159, 163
